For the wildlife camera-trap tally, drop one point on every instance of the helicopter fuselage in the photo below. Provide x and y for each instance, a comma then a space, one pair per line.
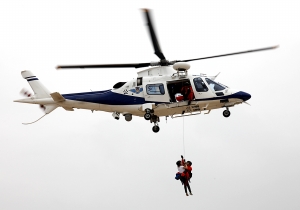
159, 92
154, 93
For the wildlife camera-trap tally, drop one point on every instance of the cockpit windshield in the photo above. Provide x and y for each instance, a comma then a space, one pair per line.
213, 85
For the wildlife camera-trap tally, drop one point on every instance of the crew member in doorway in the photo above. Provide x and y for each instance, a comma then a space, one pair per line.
187, 92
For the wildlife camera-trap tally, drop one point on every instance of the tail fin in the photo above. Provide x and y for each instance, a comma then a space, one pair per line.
38, 88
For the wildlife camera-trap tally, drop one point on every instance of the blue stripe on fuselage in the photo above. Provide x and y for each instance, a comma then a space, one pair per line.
105, 97
110, 98
85, 93
240, 95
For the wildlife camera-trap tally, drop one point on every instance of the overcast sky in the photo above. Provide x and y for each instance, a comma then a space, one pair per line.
85, 160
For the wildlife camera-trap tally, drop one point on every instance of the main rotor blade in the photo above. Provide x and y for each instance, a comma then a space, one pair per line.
128, 65
157, 50
216, 56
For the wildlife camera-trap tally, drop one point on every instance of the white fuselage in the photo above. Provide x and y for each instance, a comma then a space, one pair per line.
153, 88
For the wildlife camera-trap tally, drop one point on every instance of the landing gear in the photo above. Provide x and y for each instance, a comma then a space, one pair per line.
116, 115
155, 120
149, 115
128, 117
226, 113
149, 111
155, 128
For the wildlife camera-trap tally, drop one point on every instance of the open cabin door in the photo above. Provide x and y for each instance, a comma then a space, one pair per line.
155, 91
174, 87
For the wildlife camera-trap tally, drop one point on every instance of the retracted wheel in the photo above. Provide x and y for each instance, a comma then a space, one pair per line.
147, 116
155, 128
226, 113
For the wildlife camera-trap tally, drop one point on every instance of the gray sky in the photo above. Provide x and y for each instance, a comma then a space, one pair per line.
84, 160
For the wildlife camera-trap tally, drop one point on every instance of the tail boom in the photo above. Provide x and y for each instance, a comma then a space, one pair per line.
42, 101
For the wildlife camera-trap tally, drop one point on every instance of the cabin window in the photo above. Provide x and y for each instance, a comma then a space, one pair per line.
155, 89
139, 81
213, 85
200, 85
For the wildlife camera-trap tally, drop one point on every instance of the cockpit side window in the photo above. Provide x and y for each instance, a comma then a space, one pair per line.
155, 89
118, 85
213, 85
200, 85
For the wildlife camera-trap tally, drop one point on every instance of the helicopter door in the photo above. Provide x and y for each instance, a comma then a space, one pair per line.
156, 92
200, 89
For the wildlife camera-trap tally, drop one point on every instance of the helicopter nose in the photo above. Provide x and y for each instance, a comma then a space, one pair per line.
244, 96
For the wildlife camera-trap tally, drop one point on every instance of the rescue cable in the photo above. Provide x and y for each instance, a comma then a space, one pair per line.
183, 137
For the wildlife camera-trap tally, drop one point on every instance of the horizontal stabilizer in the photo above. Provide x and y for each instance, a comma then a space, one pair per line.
57, 97
68, 108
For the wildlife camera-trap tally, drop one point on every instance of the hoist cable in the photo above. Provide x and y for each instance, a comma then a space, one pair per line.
183, 137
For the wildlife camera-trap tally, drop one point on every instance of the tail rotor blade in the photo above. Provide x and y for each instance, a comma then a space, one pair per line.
25, 92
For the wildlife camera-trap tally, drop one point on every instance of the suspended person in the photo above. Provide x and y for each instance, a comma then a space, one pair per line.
187, 92
189, 169
184, 176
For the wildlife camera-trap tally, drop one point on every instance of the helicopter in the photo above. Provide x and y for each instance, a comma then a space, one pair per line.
155, 92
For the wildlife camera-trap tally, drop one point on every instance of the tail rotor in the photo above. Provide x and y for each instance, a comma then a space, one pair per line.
28, 94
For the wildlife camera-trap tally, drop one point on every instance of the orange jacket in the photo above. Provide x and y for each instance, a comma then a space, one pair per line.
187, 92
